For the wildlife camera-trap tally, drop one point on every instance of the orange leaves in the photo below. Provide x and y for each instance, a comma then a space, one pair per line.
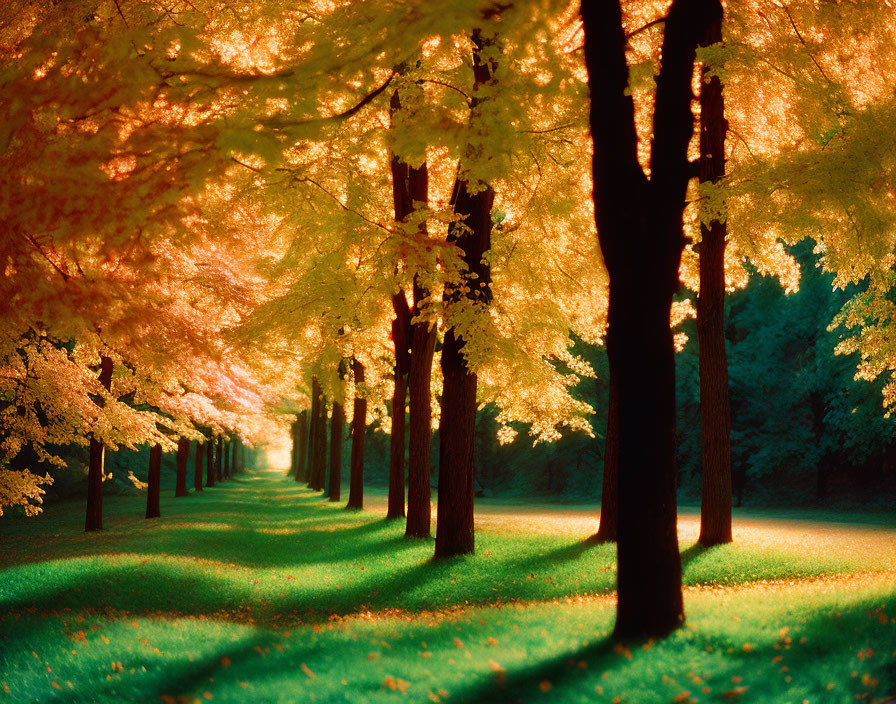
394, 684
307, 671
225, 661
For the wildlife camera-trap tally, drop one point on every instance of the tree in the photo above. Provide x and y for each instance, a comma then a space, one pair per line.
336, 425
359, 426
97, 454
197, 467
715, 411
608, 529
300, 440
210, 462
472, 234
183, 456
642, 257
153, 489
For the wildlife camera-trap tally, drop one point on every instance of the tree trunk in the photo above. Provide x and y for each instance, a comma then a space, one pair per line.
639, 224
154, 482
294, 450
183, 456
423, 344
359, 425
608, 529
95, 472
197, 469
302, 446
473, 234
319, 469
235, 459
410, 186
336, 425
219, 454
210, 462
715, 411
312, 431
396, 449
226, 446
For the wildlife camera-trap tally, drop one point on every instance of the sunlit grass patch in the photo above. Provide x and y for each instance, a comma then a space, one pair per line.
275, 584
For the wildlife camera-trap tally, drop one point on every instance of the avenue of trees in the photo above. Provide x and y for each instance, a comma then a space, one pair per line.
225, 222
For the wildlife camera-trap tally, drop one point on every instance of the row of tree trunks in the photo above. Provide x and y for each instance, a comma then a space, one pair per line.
472, 235
359, 424
337, 422
715, 410
639, 224
154, 482
96, 470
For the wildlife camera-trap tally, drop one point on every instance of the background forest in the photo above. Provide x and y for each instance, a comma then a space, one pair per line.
805, 431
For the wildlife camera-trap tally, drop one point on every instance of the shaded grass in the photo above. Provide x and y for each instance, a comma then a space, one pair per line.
255, 570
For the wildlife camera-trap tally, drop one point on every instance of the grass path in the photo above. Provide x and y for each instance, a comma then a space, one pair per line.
260, 591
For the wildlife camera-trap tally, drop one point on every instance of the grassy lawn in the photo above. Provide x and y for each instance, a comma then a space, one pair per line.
260, 591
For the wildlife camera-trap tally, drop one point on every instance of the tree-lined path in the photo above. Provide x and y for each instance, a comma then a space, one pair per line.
260, 588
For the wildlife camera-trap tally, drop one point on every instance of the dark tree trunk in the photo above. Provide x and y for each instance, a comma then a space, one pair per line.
302, 446
294, 450
359, 425
319, 470
473, 234
210, 462
410, 186
227, 445
94, 520
312, 430
197, 468
423, 346
395, 507
639, 224
336, 425
608, 529
183, 457
219, 453
154, 482
235, 456
715, 411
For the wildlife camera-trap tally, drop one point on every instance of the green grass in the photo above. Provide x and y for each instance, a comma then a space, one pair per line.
259, 591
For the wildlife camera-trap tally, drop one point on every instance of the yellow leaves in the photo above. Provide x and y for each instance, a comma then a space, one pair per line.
747, 647
307, 671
